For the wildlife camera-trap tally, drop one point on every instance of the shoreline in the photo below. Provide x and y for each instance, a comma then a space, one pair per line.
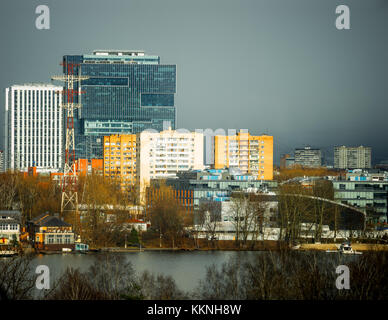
303, 247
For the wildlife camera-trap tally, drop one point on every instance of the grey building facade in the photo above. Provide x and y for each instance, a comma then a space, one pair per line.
308, 157
216, 185
369, 196
352, 157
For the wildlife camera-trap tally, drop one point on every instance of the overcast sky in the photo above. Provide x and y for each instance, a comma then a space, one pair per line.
274, 66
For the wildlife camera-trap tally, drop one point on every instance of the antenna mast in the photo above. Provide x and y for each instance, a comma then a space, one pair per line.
69, 202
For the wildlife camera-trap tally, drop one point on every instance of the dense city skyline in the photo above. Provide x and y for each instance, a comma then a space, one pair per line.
277, 67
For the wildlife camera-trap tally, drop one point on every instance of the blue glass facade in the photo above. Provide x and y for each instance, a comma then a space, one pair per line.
127, 92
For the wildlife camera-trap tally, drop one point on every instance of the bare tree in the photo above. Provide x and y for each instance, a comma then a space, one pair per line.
167, 215
8, 189
111, 277
210, 218
293, 210
99, 197
160, 287
247, 212
17, 279
322, 189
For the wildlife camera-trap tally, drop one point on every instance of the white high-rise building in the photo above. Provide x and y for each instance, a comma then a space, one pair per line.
33, 127
352, 157
162, 154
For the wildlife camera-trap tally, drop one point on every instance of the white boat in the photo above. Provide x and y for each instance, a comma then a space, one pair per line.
345, 248
7, 253
66, 250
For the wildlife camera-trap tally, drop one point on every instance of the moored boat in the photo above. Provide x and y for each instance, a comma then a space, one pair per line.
7, 253
81, 248
345, 248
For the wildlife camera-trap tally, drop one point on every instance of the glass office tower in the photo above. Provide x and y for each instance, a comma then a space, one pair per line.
127, 92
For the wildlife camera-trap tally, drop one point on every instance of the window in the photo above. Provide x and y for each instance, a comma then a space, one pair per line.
67, 239
50, 239
59, 238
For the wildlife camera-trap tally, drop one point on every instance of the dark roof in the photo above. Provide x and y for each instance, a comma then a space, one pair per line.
10, 213
45, 220
14, 214
7, 221
36, 219
54, 222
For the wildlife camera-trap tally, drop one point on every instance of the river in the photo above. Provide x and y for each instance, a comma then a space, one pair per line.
186, 268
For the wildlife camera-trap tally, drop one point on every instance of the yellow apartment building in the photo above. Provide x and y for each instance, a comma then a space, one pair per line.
120, 158
251, 154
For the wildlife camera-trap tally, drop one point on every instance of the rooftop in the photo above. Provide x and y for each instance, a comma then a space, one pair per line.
37, 84
118, 52
45, 220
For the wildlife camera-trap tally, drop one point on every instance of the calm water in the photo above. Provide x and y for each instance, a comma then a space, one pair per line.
187, 268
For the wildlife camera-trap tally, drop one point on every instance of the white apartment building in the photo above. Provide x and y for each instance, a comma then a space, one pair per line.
163, 154
33, 127
352, 157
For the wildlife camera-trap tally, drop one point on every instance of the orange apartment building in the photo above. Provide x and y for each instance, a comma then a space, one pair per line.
251, 154
120, 158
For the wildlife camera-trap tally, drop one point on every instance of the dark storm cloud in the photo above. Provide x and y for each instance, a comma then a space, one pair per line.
275, 66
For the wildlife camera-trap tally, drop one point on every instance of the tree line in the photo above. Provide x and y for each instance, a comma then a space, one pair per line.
279, 275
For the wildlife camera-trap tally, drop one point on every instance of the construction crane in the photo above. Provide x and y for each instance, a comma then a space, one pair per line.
69, 200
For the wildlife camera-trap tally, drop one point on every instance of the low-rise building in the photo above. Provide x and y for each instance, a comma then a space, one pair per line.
370, 196
290, 162
138, 225
286, 161
83, 167
366, 175
383, 165
9, 227
50, 233
212, 184
229, 216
